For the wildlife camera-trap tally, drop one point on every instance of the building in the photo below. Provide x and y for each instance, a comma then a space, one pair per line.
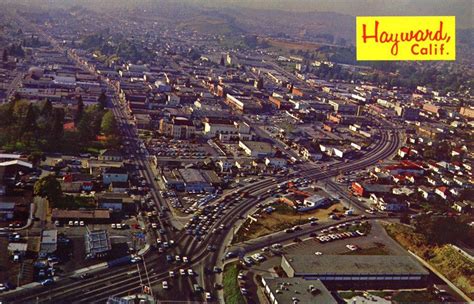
382, 270
344, 107
363, 189
88, 216
291, 290
118, 202
110, 155
191, 180
257, 149
111, 175
49, 243
178, 128
97, 243
467, 112
315, 201
463, 206
7, 211
275, 162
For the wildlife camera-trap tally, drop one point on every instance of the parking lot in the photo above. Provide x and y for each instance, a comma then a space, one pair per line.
171, 148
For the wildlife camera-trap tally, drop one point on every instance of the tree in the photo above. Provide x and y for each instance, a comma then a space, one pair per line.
48, 187
222, 61
260, 83
103, 99
109, 124
80, 109
5, 55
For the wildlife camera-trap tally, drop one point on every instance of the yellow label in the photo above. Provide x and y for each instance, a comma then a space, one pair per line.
406, 38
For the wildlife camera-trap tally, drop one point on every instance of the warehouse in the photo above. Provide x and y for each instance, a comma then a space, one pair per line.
377, 269
289, 290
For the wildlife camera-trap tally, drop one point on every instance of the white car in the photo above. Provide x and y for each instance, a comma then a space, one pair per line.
113, 226
76, 223
81, 223
318, 253
154, 225
165, 284
135, 259
182, 272
190, 272
185, 260
171, 273
208, 295
352, 247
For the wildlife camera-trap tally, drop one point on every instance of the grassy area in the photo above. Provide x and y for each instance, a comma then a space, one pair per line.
453, 265
75, 202
414, 296
282, 218
349, 294
232, 293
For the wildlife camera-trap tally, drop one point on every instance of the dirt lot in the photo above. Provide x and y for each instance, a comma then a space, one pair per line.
283, 217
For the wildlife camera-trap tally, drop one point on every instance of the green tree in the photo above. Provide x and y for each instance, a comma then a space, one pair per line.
80, 109
5, 55
48, 187
103, 99
109, 124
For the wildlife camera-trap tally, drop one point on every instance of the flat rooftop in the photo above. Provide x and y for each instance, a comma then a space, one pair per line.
285, 289
354, 265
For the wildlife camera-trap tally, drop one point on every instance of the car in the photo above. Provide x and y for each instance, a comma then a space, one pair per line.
171, 274
47, 282
217, 269
135, 259
169, 258
177, 258
16, 258
70, 223
352, 247
81, 223
241, 276
113, 226
3, 287
154, 225
119, 226
243, 291
185, 260
182, 272
190, 272
207, 295
57, 223
164, 284
318, 253
76, 223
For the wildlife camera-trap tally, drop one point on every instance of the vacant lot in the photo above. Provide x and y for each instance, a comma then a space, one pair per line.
232, 292
282, 218
453, 265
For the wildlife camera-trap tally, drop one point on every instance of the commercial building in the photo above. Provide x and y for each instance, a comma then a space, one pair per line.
88, 216
378, 269
344, 107
97, 243
49, 243
111, 175
7, 211
177, 127
315, 201
291, 290
258, 149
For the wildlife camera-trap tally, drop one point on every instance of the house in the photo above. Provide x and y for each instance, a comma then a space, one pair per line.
177, 127
110, 155
389, 202
275, 162
225, 165
442, 192
117, 202
112, 174
77, 182
119, 187
365, 190
463, 206
426, 192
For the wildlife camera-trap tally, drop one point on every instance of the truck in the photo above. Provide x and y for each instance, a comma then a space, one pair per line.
120, 261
